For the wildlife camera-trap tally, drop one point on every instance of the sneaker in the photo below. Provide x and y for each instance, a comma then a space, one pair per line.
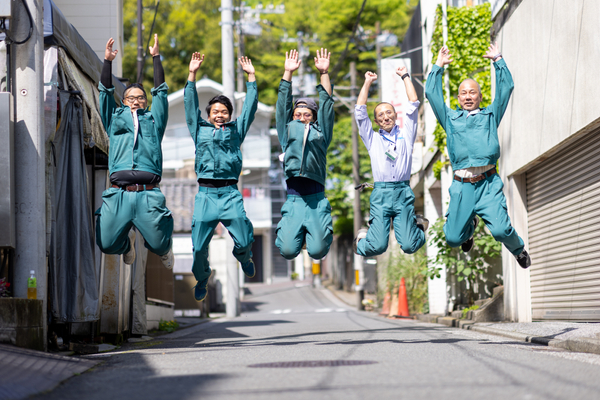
468, 245
129, 257
249, 268
523, 259
200, 290
362, 233
168, 260
422, 223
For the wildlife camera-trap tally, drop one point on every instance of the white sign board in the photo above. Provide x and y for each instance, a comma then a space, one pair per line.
392, 87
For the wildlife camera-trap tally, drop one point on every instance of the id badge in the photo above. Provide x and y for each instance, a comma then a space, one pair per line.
391, 154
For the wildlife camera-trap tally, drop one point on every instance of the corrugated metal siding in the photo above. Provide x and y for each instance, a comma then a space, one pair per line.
563, 201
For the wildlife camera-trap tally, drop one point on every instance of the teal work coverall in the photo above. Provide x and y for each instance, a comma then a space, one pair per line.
304, 218
218, 157
473, 142
146, 210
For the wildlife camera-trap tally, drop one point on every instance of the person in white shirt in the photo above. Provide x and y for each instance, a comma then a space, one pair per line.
390, 150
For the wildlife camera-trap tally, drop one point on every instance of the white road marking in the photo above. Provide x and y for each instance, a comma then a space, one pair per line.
324, 310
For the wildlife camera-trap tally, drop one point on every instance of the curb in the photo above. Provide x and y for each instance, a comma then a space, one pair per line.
580, 345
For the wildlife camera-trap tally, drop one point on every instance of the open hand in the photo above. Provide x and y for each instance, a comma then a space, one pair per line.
196, 62
444, 57
154, 49
109, 54
291, 61
247, 66
492, 51
322, 60
370, 77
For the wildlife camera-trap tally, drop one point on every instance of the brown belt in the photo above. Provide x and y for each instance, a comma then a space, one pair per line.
476, 178
136, 187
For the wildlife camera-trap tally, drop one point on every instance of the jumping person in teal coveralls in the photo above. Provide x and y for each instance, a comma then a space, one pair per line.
218, 167
305, 133
135, 165
473, 147
391, 159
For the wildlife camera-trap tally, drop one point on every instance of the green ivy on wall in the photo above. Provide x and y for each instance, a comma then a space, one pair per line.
468, 40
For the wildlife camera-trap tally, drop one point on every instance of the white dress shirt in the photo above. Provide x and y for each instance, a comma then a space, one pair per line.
377, 143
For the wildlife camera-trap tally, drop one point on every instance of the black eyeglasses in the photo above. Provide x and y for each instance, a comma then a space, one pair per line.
131, 99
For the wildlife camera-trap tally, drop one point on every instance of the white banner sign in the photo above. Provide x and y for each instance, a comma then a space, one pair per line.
392, 87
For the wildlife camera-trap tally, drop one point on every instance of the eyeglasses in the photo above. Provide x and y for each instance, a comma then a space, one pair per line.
131, 99
299, 115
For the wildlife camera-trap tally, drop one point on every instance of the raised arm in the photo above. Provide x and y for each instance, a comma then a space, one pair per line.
190, 96
107, 90
251, 102
322, 65
365, 129
402, 72
160, 105
434, 87
285, 107
504, 82
363, 96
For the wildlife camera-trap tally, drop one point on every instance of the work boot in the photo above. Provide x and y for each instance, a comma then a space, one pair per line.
200, 290
422, 223
168, 260
362, 233
129, 257
249, 268
468, 245
523, 259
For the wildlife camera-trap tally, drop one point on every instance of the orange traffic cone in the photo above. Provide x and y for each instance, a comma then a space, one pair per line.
402, 300
385, 310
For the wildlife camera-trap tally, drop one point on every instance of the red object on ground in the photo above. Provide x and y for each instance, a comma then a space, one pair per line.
402, 300
387, 300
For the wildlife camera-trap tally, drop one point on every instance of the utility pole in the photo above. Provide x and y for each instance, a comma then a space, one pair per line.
140, 45
378, 52
302, 52
358, 267
233, 279
30, 149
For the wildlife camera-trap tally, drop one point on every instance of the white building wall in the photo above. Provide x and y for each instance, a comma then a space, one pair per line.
552, 51
97, 21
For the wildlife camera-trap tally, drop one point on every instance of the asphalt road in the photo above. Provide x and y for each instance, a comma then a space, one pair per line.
310, 339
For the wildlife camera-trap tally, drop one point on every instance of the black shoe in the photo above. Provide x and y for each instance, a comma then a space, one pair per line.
362, 233
422, 223
468, 245
523, 259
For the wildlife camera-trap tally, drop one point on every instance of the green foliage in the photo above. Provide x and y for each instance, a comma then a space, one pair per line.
466, 310
466, 267
167, 326
413, 268
468, 39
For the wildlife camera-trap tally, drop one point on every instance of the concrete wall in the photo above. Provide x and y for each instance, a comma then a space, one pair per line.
552, 50
97, 21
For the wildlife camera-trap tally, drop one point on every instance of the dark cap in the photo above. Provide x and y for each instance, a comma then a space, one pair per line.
306, 102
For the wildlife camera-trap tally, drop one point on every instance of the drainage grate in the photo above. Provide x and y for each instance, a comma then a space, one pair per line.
312, 364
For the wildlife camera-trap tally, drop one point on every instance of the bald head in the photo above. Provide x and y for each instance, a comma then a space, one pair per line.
469, 95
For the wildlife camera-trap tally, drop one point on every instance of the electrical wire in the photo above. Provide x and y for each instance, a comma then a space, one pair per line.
5, 31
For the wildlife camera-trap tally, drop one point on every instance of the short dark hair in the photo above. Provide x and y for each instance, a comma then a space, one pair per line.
135, 86
220, 99
383, 102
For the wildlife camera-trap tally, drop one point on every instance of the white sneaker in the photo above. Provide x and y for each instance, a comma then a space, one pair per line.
129, 257
168, 260
361, 234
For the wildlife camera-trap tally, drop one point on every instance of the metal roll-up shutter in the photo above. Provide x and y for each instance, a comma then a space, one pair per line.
563, 204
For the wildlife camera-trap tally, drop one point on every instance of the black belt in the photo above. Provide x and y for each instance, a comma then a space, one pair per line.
216, 183
136, 187
476, 178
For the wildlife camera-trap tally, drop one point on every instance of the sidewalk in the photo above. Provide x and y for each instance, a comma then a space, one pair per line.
583, 337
